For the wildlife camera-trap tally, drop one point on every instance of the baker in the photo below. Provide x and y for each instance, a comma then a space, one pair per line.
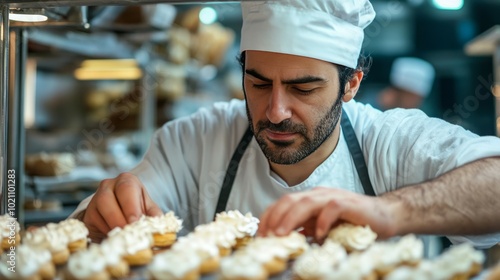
299, 151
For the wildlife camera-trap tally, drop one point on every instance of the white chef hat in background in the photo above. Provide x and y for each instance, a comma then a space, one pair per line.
329, 30
412, 74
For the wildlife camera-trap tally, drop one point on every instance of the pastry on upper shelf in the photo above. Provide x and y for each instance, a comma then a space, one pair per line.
9, 232
246, 225
49, 164
353, 237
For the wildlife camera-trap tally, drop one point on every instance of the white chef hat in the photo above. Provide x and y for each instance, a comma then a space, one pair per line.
329, 30
412, 74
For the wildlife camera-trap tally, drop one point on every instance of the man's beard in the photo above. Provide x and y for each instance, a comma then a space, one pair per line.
282, 153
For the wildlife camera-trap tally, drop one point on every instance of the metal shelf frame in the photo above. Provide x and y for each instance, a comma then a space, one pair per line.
13, 50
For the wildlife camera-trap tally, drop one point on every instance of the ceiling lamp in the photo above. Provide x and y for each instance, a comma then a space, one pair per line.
448, 4
28, 15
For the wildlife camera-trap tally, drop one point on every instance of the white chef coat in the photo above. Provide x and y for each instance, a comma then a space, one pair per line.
185, 165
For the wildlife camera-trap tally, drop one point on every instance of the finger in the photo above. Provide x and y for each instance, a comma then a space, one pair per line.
328, 216
279, 211
262, 231
306, 208
98, 228
108, 207
151, 208
128, 192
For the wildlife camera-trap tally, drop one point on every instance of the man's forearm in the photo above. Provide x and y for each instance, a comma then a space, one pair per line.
464, 201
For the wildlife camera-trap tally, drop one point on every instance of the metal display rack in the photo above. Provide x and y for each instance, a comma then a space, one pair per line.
13, 53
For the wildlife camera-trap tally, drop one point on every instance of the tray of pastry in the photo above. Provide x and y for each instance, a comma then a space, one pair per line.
224, 249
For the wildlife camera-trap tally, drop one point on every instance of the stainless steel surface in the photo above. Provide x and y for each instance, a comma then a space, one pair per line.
56, 3
16, 132
4, 78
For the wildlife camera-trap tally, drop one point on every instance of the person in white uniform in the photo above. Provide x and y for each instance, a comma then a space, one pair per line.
300, 152
411, 81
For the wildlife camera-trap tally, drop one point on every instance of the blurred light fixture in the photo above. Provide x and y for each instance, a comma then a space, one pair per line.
109, 69
28, 15
208, 15
448, 4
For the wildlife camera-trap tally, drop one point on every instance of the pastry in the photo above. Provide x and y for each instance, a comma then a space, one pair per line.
30, 263
353, 237
137, 245
206, 251
494, 273
459, 262
113, 251
164, 228
295, 243
220, 234
271, 254
54, 164
175, 266
421, 272
245, 225
77, 233
319, 261
53, 240
242, 267
356, 266
9, 232
87, 265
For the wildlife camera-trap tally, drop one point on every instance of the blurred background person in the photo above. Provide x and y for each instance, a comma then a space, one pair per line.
411, 81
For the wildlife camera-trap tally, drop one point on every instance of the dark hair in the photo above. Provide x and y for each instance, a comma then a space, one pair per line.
345, 73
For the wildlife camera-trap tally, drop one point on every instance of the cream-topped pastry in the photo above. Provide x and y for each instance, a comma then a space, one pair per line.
295, 243
31, 263
207, 252
77, 233
410, 250
353, 237
246, 225
9, 232
220, 234
87, 264
53, 240
271, 254
423, 271
242, 267
113, 254
319, 261
137, 245
357, 266
164, 228
459, 262
174, 265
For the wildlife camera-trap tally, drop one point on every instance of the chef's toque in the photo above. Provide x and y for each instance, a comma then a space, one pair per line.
329, 30
413, 75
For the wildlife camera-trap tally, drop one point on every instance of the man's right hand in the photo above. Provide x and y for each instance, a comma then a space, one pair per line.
116, 203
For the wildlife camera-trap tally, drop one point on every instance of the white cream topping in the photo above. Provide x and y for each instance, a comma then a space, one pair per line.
219, 234
8, 224
74, 229
113, 250
319, 262
28, 261
351, 236
294, 242
165, 223
46, 238
355, 267
173, 264
204, 249
246, 224
240, 265
132, 240
422, 272
410, 248
265, 249
84, 264
457, 259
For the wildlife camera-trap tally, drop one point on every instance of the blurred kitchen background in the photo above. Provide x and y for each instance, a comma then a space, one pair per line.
98, 80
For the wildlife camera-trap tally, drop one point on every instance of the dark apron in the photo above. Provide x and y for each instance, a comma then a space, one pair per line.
352, 143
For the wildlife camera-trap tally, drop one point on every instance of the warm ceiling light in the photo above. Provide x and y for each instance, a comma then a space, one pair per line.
448, 4
28, 15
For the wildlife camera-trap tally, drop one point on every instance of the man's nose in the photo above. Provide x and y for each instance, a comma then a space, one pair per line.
278, 108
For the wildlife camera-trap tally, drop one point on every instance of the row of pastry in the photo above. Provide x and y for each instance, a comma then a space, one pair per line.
350, 252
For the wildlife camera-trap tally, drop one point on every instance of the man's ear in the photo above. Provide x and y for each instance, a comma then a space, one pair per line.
352, 86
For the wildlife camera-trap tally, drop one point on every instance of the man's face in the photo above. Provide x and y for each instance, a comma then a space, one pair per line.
293, 103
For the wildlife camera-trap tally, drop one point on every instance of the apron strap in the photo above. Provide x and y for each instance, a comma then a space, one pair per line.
356, 154
227, 184
352, 144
